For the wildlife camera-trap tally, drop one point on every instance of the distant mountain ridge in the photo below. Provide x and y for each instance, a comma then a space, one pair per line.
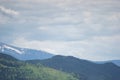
24, 53
83, 69
117, 62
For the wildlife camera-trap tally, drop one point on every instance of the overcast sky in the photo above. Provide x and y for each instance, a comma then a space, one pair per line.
87, 29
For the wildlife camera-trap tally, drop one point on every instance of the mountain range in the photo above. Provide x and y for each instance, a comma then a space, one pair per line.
23, 53
83, 69
29, 64
117, 62
14, 69
31, 54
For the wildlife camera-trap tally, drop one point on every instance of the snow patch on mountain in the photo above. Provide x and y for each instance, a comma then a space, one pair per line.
10, 48
24, 53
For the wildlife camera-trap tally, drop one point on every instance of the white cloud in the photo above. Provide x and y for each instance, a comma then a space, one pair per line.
3, 19
87, 17
50, 46
8, 11
114, 16
96, 48
63, 32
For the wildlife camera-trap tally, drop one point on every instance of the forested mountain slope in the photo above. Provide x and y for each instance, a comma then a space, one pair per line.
13, 69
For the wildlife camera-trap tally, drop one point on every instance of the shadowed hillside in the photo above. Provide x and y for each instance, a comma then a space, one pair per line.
12, 69
83, 69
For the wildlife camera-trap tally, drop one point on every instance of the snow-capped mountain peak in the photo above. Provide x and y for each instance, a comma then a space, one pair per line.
23, 53
11, 48
5, 48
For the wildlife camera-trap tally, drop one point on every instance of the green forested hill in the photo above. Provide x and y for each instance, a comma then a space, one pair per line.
12, 69
83, 69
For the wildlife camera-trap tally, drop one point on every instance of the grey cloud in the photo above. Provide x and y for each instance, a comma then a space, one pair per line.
75, 22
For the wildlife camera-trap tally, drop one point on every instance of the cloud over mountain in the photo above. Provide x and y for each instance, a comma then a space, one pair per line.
87, 27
